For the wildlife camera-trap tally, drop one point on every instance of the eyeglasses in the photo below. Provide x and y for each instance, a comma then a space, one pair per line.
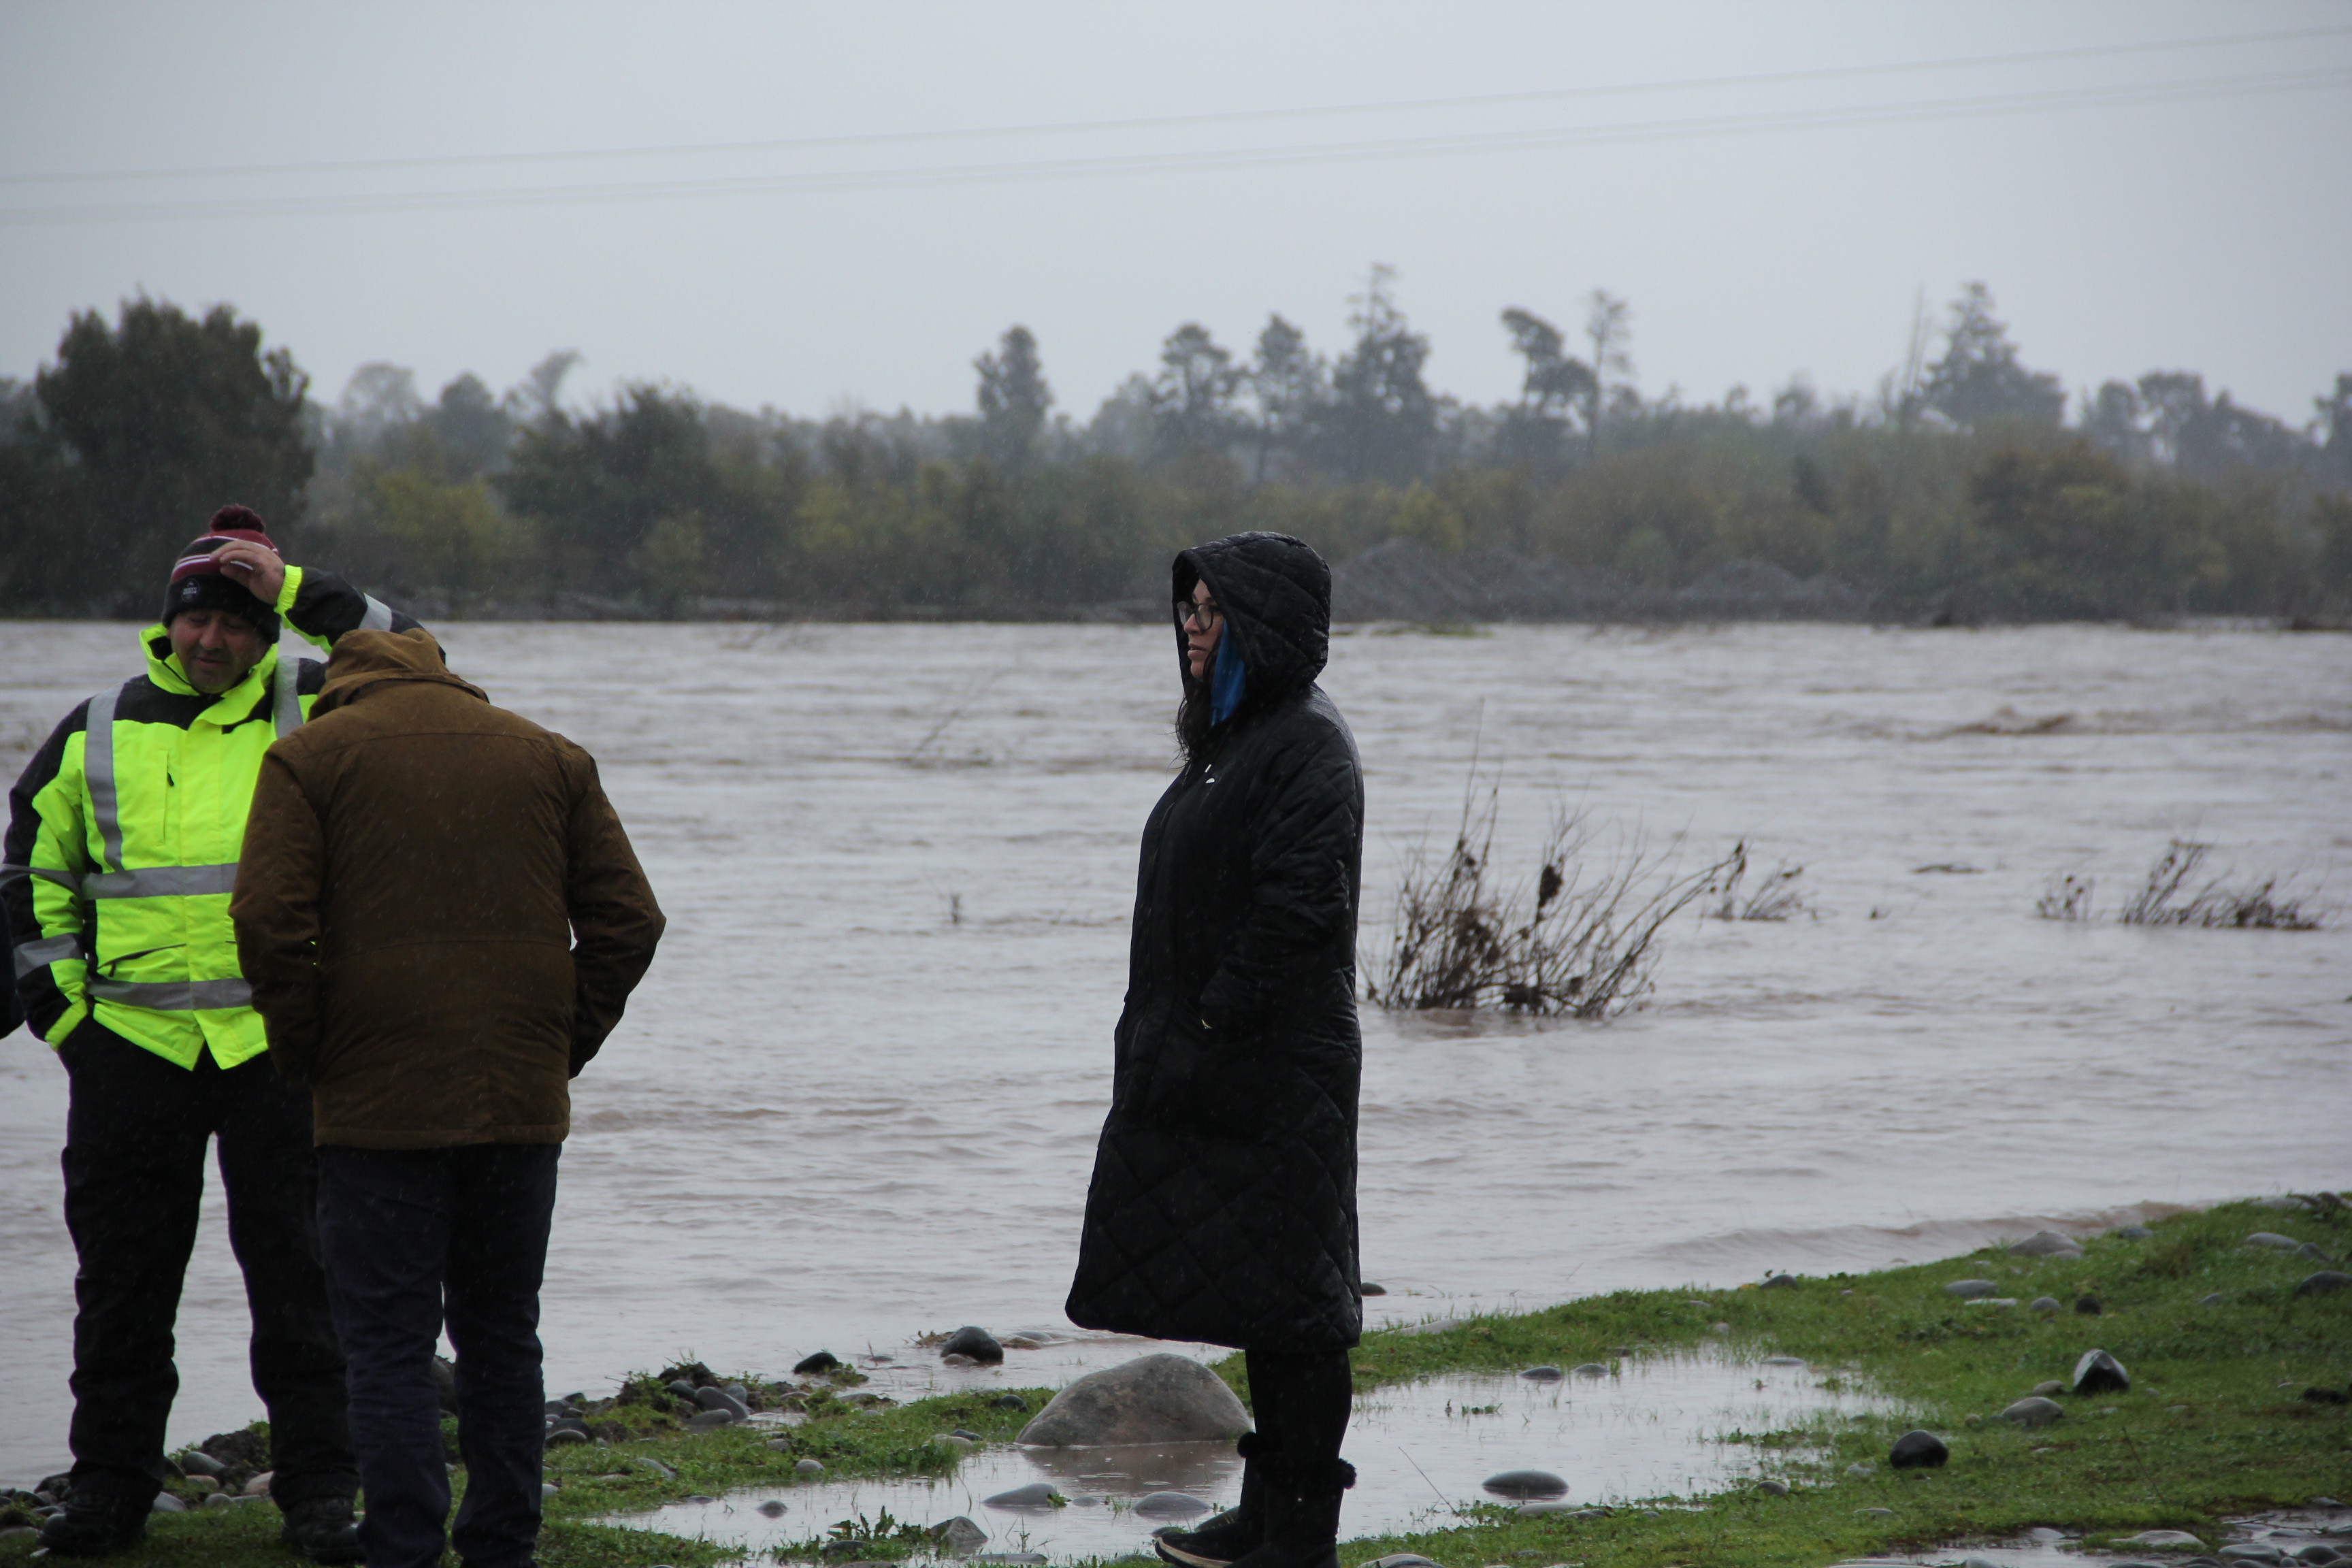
1189, 614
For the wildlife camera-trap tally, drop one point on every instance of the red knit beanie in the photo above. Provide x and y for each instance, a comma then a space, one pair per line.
197, 583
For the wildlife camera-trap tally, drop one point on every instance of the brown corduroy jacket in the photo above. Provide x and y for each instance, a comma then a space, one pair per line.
437, 909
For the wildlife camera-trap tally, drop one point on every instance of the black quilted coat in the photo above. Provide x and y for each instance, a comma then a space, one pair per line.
1223, 1201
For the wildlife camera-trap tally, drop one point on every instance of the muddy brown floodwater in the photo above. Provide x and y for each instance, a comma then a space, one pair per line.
857, 1097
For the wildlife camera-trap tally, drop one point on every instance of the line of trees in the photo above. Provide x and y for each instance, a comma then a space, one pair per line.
1968, 475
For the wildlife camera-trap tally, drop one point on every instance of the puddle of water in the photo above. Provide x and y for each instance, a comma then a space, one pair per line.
1420, 1450
2288, 1530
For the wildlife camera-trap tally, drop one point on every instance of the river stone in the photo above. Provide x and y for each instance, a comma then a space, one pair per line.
960, 1537
823, 1361
1526, 1484
2314, 1251
2131, 1233
2165, 1541
1589, 1369
1009, 1402
2088, 1306
196, 1462
220, 1499
1435, 1326
166, 1503
259, 1484
976, 1343
2033, 1412
2326, 1282
1543, 1374
560, 1437
2252, 1551
2044, 1390
1163, 1398
1779, 1282
1368, 1288
1876, 1512
2046, 1244
2319, 1552
1771, 1487
1918, 1450
1036, 1494
680, 1388
2273, 1238
1784, 1361
806, 1466
2215, 1300
641, 1462
2099, 1372
1401, 1560
1170, 1505
2042, 1304
708, 1421
950, 1440
1541, 1510
1969, 1290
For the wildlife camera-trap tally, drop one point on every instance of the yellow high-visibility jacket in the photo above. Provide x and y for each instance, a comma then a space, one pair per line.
123, 837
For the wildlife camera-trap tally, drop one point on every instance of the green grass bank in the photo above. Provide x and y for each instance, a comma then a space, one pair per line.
2233, 1408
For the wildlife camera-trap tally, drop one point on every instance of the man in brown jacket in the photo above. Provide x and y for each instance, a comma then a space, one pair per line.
441, 919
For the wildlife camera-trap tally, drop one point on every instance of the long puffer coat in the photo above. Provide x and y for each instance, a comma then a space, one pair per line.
1223, 1201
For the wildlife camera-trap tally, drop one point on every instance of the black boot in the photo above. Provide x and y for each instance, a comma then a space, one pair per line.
1236, 1533
97, 1524
322, 1528
1302, 1513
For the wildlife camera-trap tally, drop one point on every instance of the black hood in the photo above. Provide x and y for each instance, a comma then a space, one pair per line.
1276, 595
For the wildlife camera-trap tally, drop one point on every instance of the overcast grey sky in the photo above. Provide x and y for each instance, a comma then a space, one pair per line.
2132, 208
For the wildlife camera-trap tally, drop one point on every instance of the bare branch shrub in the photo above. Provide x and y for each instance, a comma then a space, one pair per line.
2067, 898
1776, 897
2257, 906
1571, 939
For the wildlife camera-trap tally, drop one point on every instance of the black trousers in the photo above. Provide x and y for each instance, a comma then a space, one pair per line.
136, 1130
415, 1238
1301, 1401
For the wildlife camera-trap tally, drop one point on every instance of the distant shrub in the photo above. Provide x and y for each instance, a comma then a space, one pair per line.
1775, 897
2067, 898
2163, 899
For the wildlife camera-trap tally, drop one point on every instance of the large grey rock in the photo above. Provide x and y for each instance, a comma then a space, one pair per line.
1529, 1484
960, 1537
1170, 1505
2046, 1244
1160, 1399
1036, 1494
2099, 1372
1969, 1290
2033, 1412
166, 1503
708, 1421
720, 1399
1918, 1451
2272, 1240
975, 1341
2326, 1282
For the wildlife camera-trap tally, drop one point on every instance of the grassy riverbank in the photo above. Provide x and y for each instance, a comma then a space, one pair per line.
2219, 1347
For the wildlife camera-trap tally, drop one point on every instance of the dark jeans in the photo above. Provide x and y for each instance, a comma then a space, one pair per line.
134, 1167
412, 1235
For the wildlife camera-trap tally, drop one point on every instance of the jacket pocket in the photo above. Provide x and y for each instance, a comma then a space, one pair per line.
1218, 1082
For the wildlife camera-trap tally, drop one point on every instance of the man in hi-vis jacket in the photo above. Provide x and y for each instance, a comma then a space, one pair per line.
121, 853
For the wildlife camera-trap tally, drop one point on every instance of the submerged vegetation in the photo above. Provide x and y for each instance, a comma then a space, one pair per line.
2166, 898
1964, 488
1579, 937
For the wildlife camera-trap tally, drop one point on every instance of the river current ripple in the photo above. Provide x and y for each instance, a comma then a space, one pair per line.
856, 1097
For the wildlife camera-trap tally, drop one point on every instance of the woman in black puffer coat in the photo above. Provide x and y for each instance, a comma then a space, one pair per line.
1223, 1201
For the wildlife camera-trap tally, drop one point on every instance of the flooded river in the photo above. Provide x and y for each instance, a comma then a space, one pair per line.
855, 1098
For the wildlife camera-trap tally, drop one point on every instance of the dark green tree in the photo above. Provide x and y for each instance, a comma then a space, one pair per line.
1535, 430
1014, 398
160, 418
1288, 384
1193, 395
623, 499
1978, 377
1381, 421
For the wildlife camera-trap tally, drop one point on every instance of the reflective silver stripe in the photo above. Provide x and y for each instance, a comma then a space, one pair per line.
379, 615
162, 882
286, 696
32, 956
64, 880
174, 996
98, 776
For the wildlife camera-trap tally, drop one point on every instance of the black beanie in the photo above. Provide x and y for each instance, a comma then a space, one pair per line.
195, 585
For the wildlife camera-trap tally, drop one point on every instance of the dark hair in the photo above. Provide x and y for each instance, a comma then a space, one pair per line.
1192, 717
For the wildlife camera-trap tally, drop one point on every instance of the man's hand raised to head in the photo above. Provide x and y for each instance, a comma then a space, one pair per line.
257, 570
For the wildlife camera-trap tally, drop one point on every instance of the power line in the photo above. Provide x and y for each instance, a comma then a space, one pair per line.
1827, 73
1454, 145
